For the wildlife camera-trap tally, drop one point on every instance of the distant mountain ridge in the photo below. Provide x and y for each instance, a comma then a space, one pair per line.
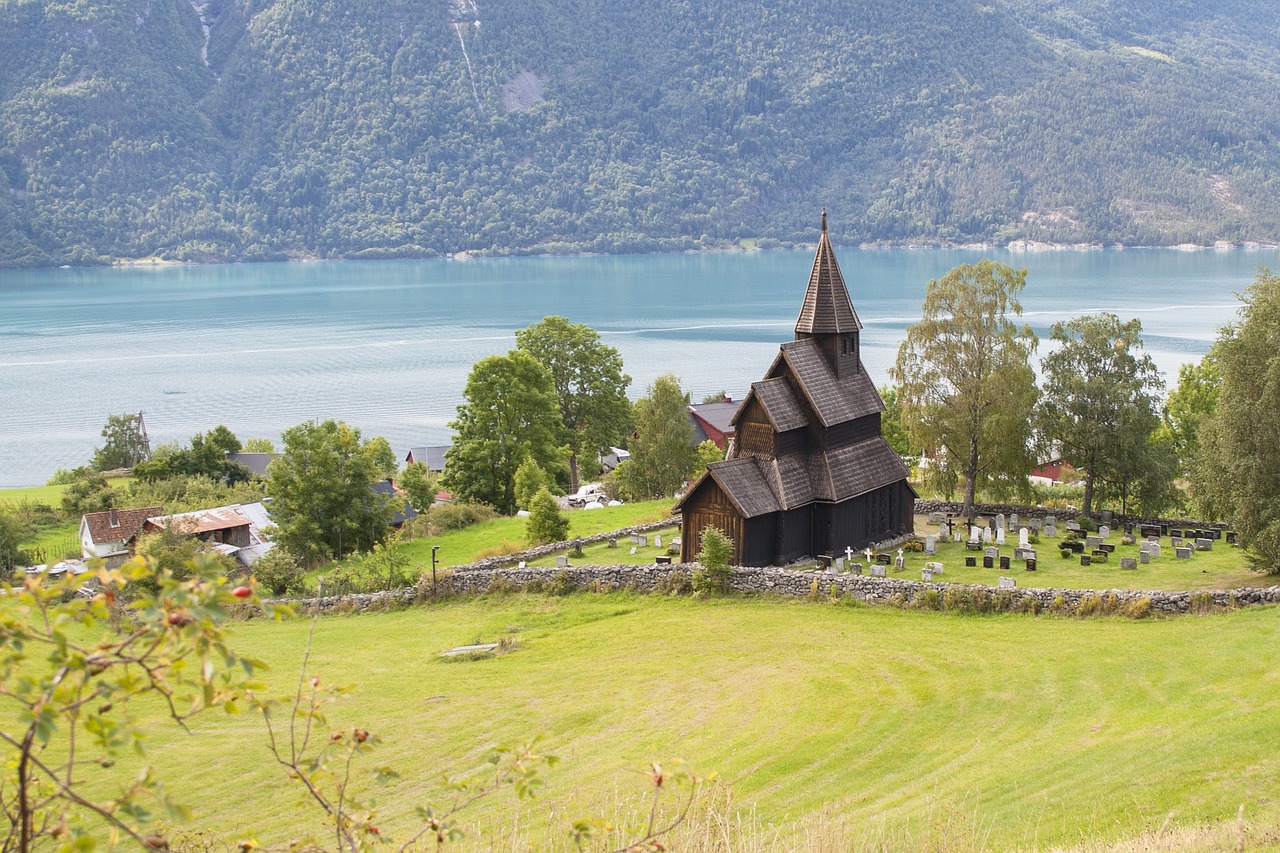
270, 129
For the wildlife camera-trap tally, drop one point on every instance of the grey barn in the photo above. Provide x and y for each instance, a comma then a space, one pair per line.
810, 473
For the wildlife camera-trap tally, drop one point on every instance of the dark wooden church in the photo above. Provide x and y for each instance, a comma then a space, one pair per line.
809, 473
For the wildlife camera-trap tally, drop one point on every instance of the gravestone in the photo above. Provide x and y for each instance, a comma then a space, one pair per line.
942, 530
1106, 517
937, 517
1073, 527
1000, 520
1164, 530
1128, 528
657, 541
1175, 541
635, 538
877, 571
662, 560
1231, 537
884, 559
970, 562
675, 541
926, 574
1024, 553
1051, 526
973, 546
644, 541
1128, 563
975, 534
1099, 555
1182, 553
1149, 530
1203, 544
839, 564
1104, 531
1144, 557
1000, 536
1004, 564
613, 543
900, 562
1024, 537
986, 535
562, 562
931, 545
1036, 524
633, 549
992, 552
1031, 564
1108, 547
1006, 582
857, 568
1084, 559
958, 536
988, 562
1013, 519
936, 567
1092, 542
1175, 532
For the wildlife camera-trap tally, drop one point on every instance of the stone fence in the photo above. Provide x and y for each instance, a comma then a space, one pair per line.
800, 583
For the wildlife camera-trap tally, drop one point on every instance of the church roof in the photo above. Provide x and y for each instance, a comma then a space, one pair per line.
779, 403
827, 309
744, 482
836, 400
855, 470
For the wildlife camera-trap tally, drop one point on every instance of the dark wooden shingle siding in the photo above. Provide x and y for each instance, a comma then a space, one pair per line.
745, 484
861, 468
834, 400
827, 308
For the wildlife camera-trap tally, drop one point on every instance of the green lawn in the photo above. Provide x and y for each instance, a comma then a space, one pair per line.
51, 495
884, 728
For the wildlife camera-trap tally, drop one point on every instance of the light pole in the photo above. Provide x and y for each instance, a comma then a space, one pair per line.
434, 548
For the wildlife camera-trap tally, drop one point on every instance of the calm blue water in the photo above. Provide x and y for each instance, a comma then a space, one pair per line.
387, 345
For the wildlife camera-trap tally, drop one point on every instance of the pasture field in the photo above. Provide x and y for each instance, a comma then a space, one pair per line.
831, 726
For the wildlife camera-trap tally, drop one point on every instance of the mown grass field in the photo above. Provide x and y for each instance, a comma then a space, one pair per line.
830, 726
51, 495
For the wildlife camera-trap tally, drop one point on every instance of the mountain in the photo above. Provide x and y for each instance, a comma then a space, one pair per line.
269, 129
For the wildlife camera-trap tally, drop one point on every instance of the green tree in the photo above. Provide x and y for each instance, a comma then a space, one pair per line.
259, 445
530, 479
125, 443
1189, 405
714, 554
223, 440
419, 484
13, 531
1100, 403
547, 522
591, 389
1237, 467
892, 427
89, 493
381, 457
508, 415
966, 380
707, 452
321, 497
663, 456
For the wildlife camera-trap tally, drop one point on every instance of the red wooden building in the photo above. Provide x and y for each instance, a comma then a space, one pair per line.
809, 473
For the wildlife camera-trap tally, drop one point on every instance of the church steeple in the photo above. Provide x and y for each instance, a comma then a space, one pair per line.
827, 315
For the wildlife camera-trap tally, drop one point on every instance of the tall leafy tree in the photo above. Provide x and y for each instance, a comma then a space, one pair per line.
321, 497
125, 443
509, 414
1100, 404
419, 484
663, 456
590, 386
1190, 404
1237, 469
965, 378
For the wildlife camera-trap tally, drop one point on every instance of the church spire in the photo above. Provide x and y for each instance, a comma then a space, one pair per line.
827, 309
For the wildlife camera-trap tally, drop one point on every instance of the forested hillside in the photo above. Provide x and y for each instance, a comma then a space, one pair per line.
264, 129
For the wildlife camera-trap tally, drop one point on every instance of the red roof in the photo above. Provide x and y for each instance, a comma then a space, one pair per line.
118, 525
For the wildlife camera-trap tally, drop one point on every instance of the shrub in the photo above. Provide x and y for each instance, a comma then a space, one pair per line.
1087, 524
915, 546
678, 582
561, 584
448, 516
713, 557
278, 572
547, 522
1138, 608
498, 585
927, 600
1090, 605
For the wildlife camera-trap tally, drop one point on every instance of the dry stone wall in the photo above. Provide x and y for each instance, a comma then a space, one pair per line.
799, 583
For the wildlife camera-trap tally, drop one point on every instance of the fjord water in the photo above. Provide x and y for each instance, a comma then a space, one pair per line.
387, 345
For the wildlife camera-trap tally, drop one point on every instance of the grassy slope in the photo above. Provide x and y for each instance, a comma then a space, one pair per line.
930, 729
51, 495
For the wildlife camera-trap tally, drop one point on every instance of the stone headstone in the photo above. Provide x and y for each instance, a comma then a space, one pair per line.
1144, 557
1073, 526
1004, 563
987, 562
635, 538
521, 564
958, 535
1104, 531
839, 564
1000, 536
857, 568
1050, 521
991, 552
878, 571
1149, 530
884, 559
931, 544
1051, 526
1084, 560
1106, 517
970, 562
986, 535
613, 543
1175, 541
1128, 528
562, 562
1175, 532
1092, 542
644, 541
1203, 544
1036, 524
1031, 564
1108, 547
1182, 553
1000, 521
657, 541
936, 567
1128, 563
1024, 553
675, 541
1013, 519
1024, 537
633, 549
926, 574
937, 517
1231, 537
1006, 582
899, 563
1099, 555
942, 530
975, 534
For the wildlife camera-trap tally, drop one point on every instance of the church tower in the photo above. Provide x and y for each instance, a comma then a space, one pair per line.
827, 316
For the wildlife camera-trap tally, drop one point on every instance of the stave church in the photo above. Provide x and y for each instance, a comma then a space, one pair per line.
809, 473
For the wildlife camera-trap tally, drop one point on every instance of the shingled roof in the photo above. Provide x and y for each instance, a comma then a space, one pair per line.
827, 308
835, 400
118, 525
779, 402
745, 484
855, 470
